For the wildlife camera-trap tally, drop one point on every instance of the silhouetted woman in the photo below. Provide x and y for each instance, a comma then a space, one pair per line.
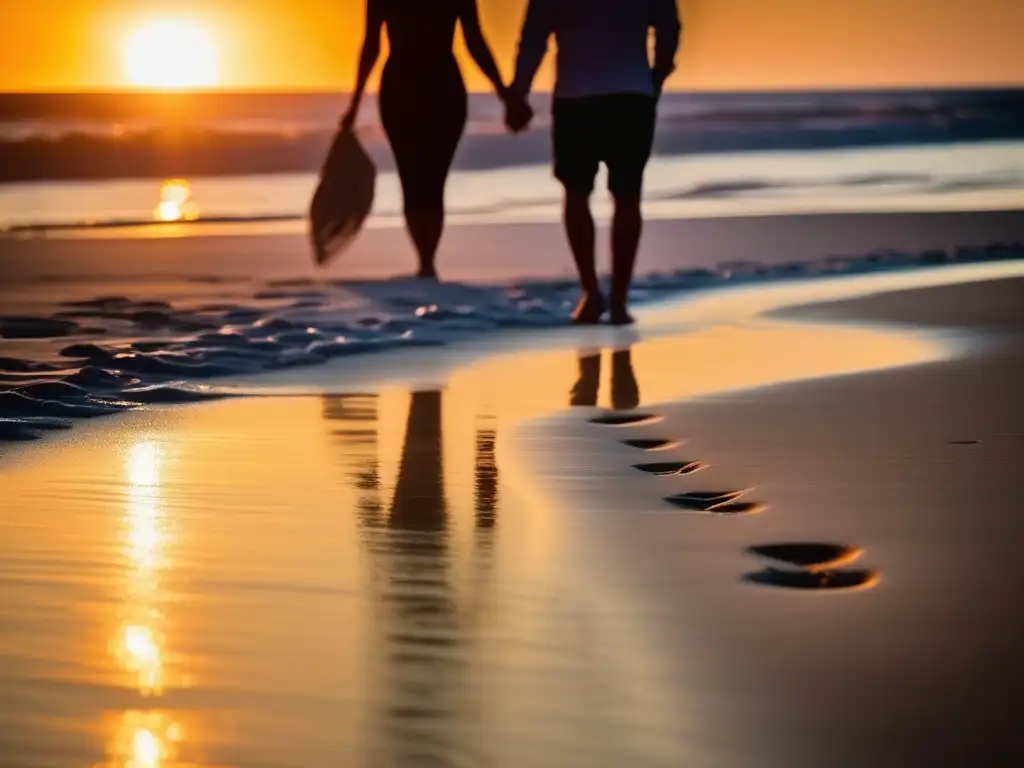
423, 101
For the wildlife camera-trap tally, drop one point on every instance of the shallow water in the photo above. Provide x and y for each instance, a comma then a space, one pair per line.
64, 359
946, 177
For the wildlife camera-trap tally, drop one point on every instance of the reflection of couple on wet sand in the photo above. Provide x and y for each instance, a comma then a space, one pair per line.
604, 111
625, 390
413, 563
419, 500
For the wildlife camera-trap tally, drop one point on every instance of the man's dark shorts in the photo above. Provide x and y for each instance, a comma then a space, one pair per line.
617, 130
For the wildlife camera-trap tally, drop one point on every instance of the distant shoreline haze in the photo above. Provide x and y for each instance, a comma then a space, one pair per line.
143, 135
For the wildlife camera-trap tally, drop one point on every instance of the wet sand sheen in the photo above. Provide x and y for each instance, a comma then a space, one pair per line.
297, 581
361, 578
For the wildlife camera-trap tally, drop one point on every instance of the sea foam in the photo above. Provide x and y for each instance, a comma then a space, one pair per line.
107, 354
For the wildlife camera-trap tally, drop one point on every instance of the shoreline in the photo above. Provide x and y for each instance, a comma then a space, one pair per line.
480, 253
80, 347
48, 394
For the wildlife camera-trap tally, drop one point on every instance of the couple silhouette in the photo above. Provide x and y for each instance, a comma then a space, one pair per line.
604, 110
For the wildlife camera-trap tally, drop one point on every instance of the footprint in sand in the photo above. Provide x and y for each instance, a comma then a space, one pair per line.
821, 580
653, 444
671, 468
716, 503
816, 565
711, 502
810, 556
626, 419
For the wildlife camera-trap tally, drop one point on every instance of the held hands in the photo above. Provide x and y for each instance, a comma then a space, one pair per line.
518, 112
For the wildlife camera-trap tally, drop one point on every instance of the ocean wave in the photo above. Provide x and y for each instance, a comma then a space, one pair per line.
69, 138
678, 184
108, 354
56, 116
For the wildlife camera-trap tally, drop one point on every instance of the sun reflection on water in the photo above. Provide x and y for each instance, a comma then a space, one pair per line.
143, 464
139, 643
176, 203
144, 519
145, 740
143, 656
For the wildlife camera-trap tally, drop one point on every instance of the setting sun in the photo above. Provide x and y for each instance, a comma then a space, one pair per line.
169, 54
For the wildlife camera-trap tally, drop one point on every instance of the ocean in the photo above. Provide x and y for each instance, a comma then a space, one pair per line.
186, 164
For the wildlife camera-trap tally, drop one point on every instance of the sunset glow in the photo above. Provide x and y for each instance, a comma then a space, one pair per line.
171, 54
313, 45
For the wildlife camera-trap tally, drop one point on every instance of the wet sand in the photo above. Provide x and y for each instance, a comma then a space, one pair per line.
501, 252
305, 581
912, 474
473, 573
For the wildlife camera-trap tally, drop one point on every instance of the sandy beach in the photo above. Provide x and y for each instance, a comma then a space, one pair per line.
488, 252
912, 469
451, 563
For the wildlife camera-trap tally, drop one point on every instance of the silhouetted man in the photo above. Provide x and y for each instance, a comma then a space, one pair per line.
604, 111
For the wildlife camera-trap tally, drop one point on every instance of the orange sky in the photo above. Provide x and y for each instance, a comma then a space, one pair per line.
311, 44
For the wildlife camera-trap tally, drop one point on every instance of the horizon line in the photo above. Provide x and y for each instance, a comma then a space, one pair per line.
245, 91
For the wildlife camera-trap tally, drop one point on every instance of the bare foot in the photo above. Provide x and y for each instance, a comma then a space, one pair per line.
590, 309
620, 316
